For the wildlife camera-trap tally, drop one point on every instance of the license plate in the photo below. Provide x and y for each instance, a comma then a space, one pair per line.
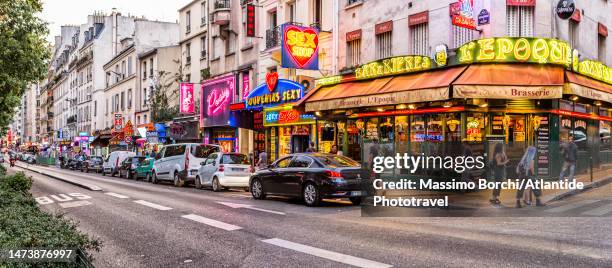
356, 193
238, 169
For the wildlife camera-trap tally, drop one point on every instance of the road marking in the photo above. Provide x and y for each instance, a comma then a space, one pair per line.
117, 195
211, 222
326, 254
600, 211
74, 204
45, 200
251, 207
571, 206
152, 205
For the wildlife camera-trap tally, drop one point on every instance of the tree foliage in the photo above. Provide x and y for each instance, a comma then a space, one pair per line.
163, 93
24, 53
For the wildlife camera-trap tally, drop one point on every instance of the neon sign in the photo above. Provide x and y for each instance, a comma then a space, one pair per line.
300, 47
507, 49
187, 98
595, 70
392, 66
330, 80
286, 117
216, 96
274, 92
217, 101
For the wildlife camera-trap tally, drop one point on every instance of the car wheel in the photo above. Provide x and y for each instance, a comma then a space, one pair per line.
129, 175
355, 200
154, 179
178, 182
257, 190
103, 173
216, 187
311, 195
198, 183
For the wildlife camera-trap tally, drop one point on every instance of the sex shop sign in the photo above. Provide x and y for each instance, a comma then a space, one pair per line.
299, 47
274, 92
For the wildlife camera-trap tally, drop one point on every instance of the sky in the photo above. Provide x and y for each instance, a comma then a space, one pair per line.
74, 12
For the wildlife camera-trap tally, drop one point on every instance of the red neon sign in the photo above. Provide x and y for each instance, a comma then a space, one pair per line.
288, 116
250, 21
217, 100
301, 45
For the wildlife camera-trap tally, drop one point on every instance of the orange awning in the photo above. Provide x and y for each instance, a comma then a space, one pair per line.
418, 87
587, 82
512, 75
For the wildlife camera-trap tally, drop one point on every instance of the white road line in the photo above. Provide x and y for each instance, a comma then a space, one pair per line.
600, 211
326, 254
152, 205
211, 222
74, 204
571, 206
267, 210
117, 195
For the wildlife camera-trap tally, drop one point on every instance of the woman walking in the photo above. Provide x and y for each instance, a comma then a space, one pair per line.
525, 171
500, 159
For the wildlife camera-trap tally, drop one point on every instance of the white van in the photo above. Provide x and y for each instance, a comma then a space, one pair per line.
113, 161
180, 162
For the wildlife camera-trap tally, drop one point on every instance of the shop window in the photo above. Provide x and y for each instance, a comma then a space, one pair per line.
284, 141
580, 133
401, 129
604, 131
475, 126
327, 136
353, 139
515, 128
434, 128
453, 128
417, 128
386, 129
574, 34
283, 163
372, 129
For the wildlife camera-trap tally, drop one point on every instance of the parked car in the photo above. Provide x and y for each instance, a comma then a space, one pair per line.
76, 162
224, 170
29, 158
311, 176
1, 158
180, 162
144, 170
93, 163
113, 161
127, 169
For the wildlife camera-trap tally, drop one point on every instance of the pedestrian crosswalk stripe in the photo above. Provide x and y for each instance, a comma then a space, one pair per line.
117, 195
211, 222
600, 211
326, 254
74, 204
571, 206
152, 205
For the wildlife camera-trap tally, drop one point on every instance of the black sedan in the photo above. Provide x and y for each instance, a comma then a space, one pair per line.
311, 176
94, 163
128, 166
76, 162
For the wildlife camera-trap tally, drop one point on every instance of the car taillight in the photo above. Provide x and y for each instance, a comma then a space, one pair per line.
221, 168
333, 174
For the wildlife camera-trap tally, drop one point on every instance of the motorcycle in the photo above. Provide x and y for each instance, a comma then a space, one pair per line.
12, 162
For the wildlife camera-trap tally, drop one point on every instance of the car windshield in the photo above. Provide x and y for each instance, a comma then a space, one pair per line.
137, 160
203, 151
335, 161
234, 159
96, 159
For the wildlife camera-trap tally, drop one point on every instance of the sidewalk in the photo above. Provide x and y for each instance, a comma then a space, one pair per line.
44, 171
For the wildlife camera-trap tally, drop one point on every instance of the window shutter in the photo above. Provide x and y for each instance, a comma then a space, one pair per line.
512, 21
526, 15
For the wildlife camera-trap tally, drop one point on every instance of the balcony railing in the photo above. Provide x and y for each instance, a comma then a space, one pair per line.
222, 4
50, 114
71, 120
273, 37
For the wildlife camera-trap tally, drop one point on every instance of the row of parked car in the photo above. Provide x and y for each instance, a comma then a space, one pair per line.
311, 176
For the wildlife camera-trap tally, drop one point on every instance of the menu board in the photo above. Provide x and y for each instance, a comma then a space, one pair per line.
498, 125
543, 136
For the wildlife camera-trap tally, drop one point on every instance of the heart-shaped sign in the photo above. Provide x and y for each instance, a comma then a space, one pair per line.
272, 81
301, 43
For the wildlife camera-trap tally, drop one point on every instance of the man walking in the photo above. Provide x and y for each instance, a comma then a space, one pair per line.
570, 154
263, 160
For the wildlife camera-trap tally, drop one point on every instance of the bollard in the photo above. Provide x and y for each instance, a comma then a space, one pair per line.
591, 167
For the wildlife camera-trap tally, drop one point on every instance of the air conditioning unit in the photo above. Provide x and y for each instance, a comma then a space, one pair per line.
306, 81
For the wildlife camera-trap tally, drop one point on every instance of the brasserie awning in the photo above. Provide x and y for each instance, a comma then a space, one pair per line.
409, 88
586, 87
510, 81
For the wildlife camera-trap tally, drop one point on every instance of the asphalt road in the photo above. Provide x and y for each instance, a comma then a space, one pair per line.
146, 225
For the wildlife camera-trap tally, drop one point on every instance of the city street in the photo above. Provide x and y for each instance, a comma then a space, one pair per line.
145, 225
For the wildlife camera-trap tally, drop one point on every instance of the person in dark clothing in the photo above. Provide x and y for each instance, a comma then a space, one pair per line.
526, 171
311, 149
500, 160
570, 154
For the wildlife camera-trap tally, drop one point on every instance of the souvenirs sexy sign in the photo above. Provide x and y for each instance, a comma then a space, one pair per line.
300, 47
274, 92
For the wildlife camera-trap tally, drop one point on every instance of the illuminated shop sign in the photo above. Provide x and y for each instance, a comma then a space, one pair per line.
187, 98
330, 80
507, 49
216, 97
274, 92
465, 16
300, 47
286, 117
393, 66
595, 70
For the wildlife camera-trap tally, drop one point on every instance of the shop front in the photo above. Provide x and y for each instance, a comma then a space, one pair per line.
215, 118
522, 91
285, 129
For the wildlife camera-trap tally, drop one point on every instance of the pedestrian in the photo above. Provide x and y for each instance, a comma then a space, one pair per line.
311, 149
500, 160
334, 150
570, 154
525, 170
262, 163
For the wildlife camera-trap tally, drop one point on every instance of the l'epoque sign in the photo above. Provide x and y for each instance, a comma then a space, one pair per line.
274, 92
507, 49
393, 66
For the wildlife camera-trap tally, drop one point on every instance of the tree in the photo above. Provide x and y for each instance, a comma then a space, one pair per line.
24, 53
164, 91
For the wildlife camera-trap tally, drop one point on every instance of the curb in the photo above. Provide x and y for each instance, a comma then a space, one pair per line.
82, 185
587, 187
